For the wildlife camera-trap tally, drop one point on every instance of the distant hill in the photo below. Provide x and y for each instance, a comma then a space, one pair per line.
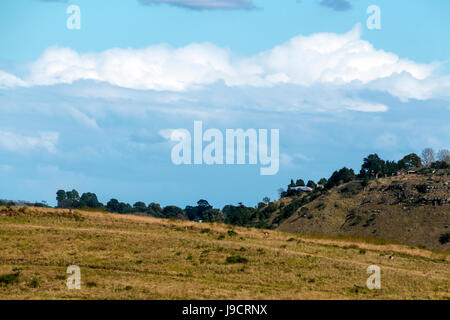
412, 209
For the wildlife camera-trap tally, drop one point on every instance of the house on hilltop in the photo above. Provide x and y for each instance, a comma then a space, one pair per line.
413, 170
304, 189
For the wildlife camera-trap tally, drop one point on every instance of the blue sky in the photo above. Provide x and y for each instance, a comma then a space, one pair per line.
85, 108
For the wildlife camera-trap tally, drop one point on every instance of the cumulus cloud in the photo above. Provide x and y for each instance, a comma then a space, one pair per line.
337, 5
204, 4
304, 61
15, 142
319, 58
405, 87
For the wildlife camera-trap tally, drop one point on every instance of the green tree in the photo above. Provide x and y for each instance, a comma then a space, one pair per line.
311, 184
90, 200
60, 196
338, 177
373, 165
140, 206
300, 183
73, 195
155, 210
292, 184
173, 212
410, 160
125, 208
113, 205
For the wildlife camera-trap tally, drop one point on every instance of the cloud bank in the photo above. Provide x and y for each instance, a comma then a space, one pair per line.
323, 58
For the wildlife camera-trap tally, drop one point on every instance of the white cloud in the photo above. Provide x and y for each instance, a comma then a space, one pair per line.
8, 80
84, 119
166, 133
303, 157
364, 106
323, 58
16, 142
405, 87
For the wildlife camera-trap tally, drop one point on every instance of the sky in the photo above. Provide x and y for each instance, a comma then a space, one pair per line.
92, 108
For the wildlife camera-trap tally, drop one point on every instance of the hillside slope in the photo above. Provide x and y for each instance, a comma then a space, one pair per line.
129, 257
412, 209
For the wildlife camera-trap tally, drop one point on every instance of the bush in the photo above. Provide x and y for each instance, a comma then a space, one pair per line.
321, 206
351, 189
444, 238
422, 188
34, 283
7, 279
232, 233
11, 278
236, 259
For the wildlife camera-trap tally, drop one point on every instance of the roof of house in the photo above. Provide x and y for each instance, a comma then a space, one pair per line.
301, 188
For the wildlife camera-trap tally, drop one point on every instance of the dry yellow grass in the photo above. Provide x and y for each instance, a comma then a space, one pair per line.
129, 257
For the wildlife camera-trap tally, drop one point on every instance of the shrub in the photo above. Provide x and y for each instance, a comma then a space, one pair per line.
321, 206
206, 230
91, 284
422, 188
357, 289
7, 279
362, 251
34, 283
444, 238
236, 259
232, 233
351, 189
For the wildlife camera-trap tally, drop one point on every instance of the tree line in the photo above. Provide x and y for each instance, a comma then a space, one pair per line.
372, 167
203, 211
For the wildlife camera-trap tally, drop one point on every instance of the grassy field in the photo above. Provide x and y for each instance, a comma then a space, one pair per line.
129, 257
